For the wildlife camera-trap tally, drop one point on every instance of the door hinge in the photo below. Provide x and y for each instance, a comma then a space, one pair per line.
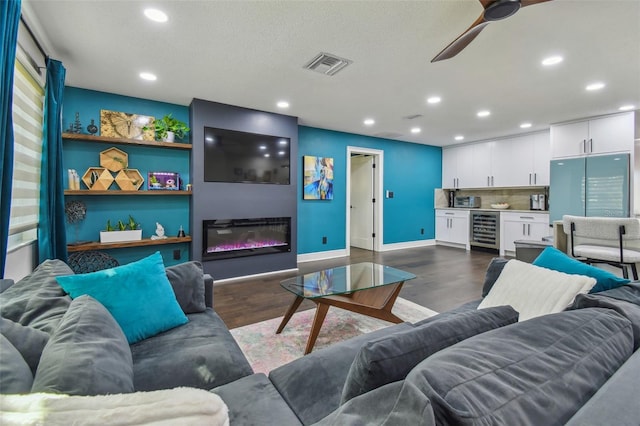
373, 235
373, 201
373, 165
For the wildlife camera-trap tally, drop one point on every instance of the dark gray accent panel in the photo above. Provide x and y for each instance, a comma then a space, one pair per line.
215, 200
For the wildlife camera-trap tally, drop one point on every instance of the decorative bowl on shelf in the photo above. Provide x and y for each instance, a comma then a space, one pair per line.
501, 206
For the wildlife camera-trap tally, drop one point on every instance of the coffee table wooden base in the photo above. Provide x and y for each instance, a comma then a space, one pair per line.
375, 302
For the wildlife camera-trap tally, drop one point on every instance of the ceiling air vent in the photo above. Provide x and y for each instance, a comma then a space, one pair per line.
412, 117
326, 63
388, 135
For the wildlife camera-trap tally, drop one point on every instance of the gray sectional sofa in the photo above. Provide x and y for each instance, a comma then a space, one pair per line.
464, 366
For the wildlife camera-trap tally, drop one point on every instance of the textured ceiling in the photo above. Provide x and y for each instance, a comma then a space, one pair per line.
251, 54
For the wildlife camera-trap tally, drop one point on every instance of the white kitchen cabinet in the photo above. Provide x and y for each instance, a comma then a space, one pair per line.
523, 226
452, 226
457, 167
522, 161
517, 161
613, 133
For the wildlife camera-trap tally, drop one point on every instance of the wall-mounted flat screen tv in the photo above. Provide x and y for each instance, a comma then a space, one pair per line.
233, 156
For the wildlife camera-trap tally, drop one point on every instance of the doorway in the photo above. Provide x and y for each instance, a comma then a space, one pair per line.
364, 199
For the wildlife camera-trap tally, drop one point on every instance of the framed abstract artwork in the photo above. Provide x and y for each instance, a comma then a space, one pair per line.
317, 178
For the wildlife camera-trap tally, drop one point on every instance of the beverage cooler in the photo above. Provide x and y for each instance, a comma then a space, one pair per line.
485, 229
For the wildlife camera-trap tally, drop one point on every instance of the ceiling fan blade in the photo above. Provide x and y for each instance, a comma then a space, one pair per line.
524, 3
462, 41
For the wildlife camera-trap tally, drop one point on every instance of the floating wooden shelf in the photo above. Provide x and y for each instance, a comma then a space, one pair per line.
121, 192
95, 245
103, 139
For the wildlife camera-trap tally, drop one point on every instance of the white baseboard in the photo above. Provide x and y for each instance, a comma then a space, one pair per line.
408, 244
321, 255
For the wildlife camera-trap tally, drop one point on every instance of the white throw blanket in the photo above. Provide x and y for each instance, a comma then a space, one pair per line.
186, 406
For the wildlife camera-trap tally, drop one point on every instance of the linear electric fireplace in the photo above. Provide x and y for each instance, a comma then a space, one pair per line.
228, 238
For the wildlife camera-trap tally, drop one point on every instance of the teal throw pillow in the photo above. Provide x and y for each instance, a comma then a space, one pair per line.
138, 295
552, 258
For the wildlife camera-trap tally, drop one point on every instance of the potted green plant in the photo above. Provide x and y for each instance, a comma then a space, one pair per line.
168, 128
122, 231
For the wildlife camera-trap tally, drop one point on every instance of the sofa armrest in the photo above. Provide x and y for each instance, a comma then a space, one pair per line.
208, 290
5, 284
616, 402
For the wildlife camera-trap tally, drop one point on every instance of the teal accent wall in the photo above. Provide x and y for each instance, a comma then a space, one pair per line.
171, 211
411, 171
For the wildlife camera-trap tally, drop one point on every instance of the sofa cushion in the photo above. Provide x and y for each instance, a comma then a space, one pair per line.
535, 291
138, 295
253, 401
312, 385
493, 272
390, 358
15, 375
628, 310
187, 281
552, 258
537, 372
28, 341
87, 355
200, 354
390, 405
465, 307
37, 300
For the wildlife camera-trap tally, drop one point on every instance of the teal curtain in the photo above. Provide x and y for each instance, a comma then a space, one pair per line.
52, 238
9, 21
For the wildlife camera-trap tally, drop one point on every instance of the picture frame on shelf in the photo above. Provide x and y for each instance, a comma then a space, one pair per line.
163, 181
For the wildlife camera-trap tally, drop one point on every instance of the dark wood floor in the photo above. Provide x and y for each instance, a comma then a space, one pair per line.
446, 278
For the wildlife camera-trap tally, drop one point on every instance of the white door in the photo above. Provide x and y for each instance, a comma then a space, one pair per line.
362, 209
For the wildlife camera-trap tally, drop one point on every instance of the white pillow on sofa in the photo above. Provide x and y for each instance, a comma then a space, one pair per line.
534, 291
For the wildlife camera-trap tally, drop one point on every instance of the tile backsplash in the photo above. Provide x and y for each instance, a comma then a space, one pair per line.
517, 198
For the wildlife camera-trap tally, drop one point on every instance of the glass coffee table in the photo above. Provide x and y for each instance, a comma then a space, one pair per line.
366, 288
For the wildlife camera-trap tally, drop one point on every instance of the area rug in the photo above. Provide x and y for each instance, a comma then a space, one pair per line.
267, 350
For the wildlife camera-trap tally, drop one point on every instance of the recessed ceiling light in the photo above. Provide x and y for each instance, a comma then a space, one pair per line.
552, 60
281, 152
369, 122
148, 76
434, 99
282, 142
208, 139
283, 104
459, 138
262, 147
156, 15
416, 130
525, 125
595, 86
484, 113
627, 107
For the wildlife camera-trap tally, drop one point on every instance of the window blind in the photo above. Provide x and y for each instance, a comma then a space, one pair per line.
28, 100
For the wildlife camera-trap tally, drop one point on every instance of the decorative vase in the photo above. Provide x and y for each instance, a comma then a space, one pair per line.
170, 137
92, 128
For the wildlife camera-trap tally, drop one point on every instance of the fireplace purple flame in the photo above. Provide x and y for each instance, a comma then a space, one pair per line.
228, 238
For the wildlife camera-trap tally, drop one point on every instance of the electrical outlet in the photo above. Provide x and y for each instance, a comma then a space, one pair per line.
176, 255
324, 240
422, 231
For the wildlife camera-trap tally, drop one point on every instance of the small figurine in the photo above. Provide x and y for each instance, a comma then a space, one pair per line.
159, 232
77, 126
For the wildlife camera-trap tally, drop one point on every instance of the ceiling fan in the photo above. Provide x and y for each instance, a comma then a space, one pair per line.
494, 10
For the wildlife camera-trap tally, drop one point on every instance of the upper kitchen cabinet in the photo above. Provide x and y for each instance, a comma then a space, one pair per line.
610, 134
522, 161
517, 161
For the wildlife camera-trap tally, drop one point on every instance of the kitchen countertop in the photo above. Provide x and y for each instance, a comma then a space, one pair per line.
493, 210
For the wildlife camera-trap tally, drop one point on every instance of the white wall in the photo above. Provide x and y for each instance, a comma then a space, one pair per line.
21, 262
